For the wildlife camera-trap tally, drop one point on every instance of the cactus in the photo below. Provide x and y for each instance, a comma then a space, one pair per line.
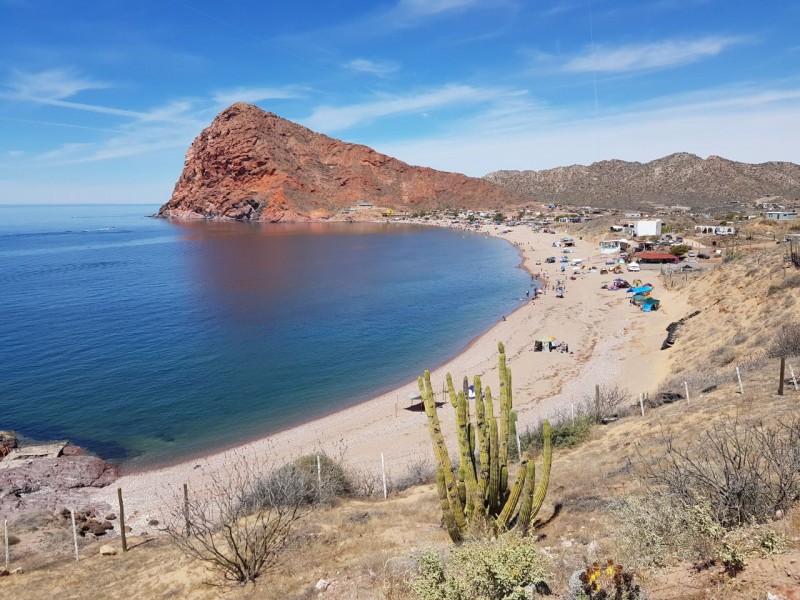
478, 495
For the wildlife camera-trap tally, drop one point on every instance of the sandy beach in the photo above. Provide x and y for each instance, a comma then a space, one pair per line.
610, 342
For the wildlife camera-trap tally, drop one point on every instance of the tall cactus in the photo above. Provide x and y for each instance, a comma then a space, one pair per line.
478, 495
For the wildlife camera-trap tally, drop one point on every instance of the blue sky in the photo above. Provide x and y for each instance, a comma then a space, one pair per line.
99, 100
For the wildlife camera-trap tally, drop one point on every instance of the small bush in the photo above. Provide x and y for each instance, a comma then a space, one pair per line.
614, 402
744, 472
509, 567
567, 433
660, 529
418, 472
311, 484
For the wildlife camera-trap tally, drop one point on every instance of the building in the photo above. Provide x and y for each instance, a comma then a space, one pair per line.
612, 246
715, 229
778, 215
656, 258
650, 227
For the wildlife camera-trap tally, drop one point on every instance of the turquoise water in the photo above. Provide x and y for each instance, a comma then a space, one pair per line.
148, 341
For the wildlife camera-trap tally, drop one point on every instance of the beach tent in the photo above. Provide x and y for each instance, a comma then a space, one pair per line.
645, 289
650, 304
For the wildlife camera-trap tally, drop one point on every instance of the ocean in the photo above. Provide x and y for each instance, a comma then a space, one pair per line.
148, 341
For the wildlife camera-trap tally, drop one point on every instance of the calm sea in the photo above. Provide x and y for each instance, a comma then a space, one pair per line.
147, 340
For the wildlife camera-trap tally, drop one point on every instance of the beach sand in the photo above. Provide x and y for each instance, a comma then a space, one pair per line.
610, 342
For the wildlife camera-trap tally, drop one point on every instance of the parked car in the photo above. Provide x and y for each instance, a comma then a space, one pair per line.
704, 256
692, 254
633, 267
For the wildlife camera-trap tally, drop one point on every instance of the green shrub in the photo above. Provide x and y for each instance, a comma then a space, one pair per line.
568, 433
303, 479
508, 567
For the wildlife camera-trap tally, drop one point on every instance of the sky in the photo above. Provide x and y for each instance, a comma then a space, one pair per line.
99, 100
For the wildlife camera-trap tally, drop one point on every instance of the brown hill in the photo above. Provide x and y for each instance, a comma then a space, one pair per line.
677, 179
253, 165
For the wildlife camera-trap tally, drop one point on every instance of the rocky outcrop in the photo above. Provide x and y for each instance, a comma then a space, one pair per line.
251, 165
677, 179
48, 484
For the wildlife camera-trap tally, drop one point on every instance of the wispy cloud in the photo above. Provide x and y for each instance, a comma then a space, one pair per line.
657, 55
372, 67
51, 84
424, 8
742, 123
256, 94
332, 118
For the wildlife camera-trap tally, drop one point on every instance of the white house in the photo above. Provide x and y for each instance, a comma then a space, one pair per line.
782, 215
650, 227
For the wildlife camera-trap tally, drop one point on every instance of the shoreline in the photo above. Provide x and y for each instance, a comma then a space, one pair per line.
611, 342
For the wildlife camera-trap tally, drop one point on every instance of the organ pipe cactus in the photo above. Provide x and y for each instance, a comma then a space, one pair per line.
476, 495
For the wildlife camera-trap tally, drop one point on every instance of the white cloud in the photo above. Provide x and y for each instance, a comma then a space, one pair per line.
372, 67
657, 55
736, 123
332, 118
52, 84
256, 94
422, 8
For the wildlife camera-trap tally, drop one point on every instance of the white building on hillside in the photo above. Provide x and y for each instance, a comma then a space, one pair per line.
652, 227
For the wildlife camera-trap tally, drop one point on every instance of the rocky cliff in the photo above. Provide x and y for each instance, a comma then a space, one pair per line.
681, 178
253, 165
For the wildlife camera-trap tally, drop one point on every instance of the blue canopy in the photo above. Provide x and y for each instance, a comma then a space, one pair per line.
641, 289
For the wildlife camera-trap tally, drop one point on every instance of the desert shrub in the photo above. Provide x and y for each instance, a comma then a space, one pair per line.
417, 472
659, 529
508, 567
745, 472
236, 524
313, 483
565, 433
614, 401
789, 283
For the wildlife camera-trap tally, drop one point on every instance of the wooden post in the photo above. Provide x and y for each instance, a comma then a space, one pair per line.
641, 403
185, 510
5, 534
739, 378
383, 474
74, 533
597, 402
794, 379
122, 521
783, 375
686, 387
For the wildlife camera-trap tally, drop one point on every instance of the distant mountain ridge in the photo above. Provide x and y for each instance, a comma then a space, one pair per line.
252, 165
678, 179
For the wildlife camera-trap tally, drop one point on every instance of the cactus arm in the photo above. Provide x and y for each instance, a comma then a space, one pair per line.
494, 469
451, 390
513, 498
547, 461
441, 453
526, 508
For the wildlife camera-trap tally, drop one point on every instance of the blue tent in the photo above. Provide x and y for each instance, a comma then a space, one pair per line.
641, 290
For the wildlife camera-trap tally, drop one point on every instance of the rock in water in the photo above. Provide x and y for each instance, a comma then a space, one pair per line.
251, 165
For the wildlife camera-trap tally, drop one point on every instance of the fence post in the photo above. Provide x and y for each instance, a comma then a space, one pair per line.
122, 521
794, 379
519, 446
597, 402
739, 378
383, 474
641, 402
5, 535
686, 387
319, 471
185, 509
74, 532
